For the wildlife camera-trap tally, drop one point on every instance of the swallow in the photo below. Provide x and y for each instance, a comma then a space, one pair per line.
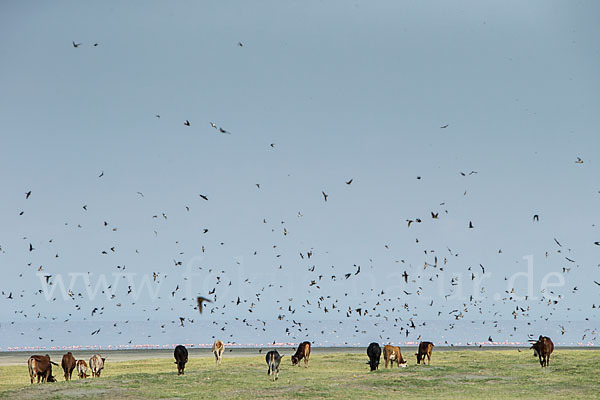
187, 123
325, 195
536, 217
444, 127
200, 300
349, 182
27, 195
579, 161
76, 45
470, 225
203, 196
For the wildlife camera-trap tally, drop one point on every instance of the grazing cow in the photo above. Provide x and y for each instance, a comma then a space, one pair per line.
391, 354
40, 367
68, 365
273, 360
543, 348
218, 348
82, 369
303, 351
425, 349
97, 365
374, 353
181, 357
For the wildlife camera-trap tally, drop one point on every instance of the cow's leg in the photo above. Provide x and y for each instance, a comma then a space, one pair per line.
428, 358
547, 360
541, 362
306, 361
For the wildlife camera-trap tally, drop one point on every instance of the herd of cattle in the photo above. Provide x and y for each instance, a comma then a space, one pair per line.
40, 367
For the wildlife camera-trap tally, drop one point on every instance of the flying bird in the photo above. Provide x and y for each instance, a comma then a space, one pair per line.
187, 123
203, 196
349, 182
470, 225
579, 161
444, 127
200, 300
27, 195
325, 195
536, 217
76, 45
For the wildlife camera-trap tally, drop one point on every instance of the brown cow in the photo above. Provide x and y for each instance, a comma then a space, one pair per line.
425, 349
303, 351
543, 348
41, 367
218, 348
391, 354
82, 369
68, 365
96, 365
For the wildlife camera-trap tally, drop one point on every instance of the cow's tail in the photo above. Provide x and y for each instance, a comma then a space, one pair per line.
52, 362
272, 364
30, 366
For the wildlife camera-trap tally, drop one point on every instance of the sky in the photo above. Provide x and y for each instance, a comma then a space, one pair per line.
311, 95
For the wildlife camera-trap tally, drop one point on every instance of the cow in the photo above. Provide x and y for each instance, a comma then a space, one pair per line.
40, 367
181, 357
68, 365
273, 360
303, 351
542, 348
425, 349
97, 365
218, 348
374, 353
82, 369
391, 354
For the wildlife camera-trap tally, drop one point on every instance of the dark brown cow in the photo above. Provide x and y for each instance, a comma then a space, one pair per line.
82, 369
40, 367
391, 354
303, 351
181, 357
68, 365
425, 349
543, 348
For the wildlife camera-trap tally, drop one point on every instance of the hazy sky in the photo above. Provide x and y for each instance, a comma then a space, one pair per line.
319, 93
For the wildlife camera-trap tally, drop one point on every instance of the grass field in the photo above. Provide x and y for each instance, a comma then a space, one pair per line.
453, 374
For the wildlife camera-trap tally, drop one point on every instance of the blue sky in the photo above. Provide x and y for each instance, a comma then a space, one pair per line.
342, 91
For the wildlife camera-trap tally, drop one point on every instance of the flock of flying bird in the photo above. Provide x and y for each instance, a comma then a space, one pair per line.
392, 308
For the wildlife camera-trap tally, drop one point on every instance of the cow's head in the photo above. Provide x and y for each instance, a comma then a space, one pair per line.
51, 378
403, 364
103, 359
535, 349
418, 358
295, 360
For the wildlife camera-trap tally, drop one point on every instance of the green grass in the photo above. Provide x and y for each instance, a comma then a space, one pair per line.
453, 374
